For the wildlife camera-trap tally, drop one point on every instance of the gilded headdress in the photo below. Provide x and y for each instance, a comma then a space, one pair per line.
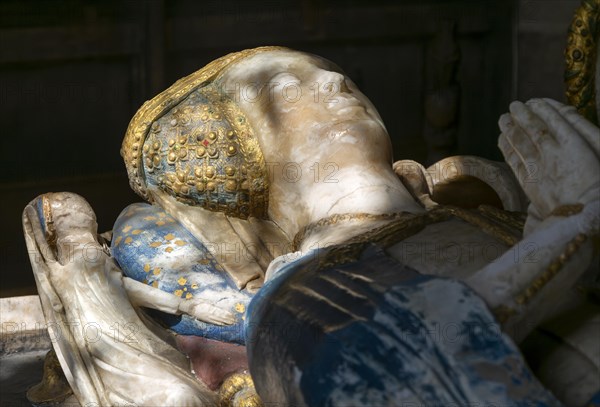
193, 142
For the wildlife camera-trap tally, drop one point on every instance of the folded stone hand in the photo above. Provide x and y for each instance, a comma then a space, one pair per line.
206, 311
555, 155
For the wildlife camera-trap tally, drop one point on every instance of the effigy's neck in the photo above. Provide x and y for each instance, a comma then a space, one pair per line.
371, 190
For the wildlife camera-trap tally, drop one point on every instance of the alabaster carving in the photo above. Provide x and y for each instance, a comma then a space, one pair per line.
292, 262
108, 355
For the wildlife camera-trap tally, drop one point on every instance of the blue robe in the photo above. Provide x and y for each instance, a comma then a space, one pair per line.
373, 332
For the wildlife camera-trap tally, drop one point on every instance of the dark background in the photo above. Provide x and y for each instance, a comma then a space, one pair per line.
72, 74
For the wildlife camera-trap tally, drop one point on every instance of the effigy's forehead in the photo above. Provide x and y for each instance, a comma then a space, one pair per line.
262, 66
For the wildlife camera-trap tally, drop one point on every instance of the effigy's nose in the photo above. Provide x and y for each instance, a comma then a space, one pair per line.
334, 82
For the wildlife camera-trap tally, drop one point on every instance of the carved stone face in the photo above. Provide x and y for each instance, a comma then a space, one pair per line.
314, 126
302, 107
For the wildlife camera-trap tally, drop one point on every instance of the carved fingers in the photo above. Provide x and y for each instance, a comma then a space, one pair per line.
206, 312
588, 131
534, 125
517, 149
520, 143
553, 151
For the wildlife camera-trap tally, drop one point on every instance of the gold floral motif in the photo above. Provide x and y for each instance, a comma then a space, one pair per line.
143, 121
580, 58
209, 159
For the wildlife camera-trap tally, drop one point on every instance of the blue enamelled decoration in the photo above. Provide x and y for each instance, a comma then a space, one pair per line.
153, 248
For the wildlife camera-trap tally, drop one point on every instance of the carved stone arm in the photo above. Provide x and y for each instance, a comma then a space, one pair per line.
146, 296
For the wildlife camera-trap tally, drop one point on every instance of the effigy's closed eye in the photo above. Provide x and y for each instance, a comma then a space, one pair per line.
284, 78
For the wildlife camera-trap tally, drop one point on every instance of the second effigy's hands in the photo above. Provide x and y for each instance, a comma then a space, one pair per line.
206, 311
555, 155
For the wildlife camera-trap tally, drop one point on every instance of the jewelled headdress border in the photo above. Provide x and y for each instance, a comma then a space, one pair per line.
140, 125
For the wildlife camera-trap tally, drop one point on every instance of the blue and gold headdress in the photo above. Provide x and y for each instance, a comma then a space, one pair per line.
193, 142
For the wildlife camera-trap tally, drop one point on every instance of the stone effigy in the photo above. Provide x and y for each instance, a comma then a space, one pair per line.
283, 253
